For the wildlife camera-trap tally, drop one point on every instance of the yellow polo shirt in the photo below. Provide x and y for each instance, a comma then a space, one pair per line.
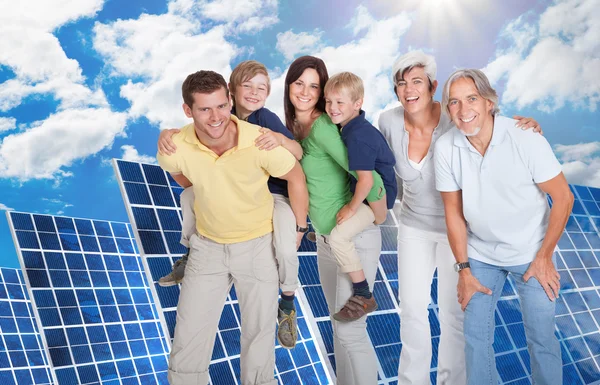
233, 203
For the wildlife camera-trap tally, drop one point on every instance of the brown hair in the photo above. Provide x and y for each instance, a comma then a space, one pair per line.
202, 82
348, 82
294, 72
245, 71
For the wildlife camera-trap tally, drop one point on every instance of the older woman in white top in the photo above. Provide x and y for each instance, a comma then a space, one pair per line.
411, 131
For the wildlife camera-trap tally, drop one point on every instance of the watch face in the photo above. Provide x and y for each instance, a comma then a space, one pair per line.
456, 267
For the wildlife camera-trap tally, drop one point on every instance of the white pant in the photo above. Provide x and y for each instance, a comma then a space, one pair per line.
356, 362
284, 236
419, 253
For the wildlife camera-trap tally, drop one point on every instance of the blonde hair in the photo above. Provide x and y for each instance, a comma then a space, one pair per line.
348, 82
245, 71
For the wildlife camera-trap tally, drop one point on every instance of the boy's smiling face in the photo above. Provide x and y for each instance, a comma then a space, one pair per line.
340, 107
251, 95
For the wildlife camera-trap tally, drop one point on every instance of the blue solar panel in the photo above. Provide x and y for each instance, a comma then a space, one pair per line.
23, 359
152, 201
91, 307
578, 310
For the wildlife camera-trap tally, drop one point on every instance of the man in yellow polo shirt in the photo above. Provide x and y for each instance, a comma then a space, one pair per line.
233, 243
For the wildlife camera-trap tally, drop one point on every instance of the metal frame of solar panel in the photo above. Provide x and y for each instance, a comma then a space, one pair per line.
151, 198
23, 359
91, 300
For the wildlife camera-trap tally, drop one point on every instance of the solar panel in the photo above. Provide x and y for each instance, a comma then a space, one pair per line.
23, 359
151, 198
91, 299
578, 309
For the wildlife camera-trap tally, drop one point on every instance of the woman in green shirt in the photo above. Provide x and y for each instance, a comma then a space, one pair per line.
325, 164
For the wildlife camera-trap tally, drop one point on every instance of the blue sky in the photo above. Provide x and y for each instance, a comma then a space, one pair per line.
84, 81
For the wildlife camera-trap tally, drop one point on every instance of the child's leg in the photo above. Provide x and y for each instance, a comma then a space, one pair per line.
341, 244
344, 251
380, 210
188, 228
188, 225
284, 242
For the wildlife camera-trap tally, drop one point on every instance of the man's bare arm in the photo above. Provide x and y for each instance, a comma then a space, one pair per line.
542, 268
298, 193
182, 180
456, 224
468, 285
562, 204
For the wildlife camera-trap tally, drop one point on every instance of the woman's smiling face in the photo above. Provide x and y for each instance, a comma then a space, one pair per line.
305, 91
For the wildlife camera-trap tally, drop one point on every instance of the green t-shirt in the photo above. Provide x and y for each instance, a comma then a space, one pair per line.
325, 164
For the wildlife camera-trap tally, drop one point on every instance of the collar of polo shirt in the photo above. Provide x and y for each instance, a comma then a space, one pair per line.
246, 134
498, 135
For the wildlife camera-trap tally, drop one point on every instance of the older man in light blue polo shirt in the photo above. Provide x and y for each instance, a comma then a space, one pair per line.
494, 178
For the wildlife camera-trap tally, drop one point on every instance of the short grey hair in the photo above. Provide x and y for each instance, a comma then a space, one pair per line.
482, 84
413, 59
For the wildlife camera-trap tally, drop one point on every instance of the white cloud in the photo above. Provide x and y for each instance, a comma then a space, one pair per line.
370, 57
580, 162
7, 124
83, 123
130, 153
4, 207
56, 205
362, 20
158, 52
291, 44
36, 57
48, 146
553, 60
577, 151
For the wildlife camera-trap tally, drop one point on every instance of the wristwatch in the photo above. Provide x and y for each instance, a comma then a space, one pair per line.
301, 229
461, 266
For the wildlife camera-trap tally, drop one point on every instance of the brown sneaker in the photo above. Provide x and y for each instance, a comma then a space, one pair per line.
355, 308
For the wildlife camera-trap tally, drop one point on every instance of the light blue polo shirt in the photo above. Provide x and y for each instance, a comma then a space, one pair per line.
506, 212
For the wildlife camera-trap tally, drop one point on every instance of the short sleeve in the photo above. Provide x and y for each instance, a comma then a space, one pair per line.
169, 163
268, 119
444, 177
277, 162
541, 161
361, 155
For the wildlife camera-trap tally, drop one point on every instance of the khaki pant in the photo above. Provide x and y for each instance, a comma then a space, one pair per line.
341, 236
211, 270
355, 359
284, 235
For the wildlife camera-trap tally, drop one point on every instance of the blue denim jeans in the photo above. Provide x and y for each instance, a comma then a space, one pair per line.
538, 319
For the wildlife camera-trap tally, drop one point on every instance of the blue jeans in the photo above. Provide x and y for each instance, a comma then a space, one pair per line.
538, 320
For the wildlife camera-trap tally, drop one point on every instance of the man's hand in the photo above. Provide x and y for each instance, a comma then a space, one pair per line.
467, 286
544, 271
165, 143
268, 140
299, 236
527, 123
344, 214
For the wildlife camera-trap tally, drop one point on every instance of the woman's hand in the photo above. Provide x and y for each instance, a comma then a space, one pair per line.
527, 123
